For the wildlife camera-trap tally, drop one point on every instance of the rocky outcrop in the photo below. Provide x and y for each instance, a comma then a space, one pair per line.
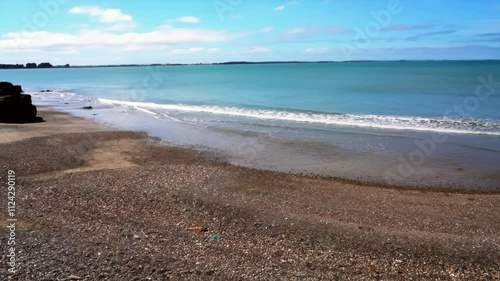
14, 106
7, 88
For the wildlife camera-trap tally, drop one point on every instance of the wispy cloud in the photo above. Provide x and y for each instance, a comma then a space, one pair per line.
163, 36
186, 19
430, 34
319, 51
303, 32
102, 15
120, 21
483, 26
489, 34
191, 51
258, 50
338, 30
487, 37
280, 8
265, 29
408, 27
253, 32
295, 31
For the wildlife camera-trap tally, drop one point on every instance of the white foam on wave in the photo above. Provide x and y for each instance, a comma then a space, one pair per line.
145, 110
442, 125
58, 96
53, 93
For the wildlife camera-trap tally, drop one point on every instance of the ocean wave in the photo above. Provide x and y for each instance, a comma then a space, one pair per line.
397, 123
441, 125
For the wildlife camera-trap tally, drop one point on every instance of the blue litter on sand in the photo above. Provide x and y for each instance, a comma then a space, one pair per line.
214, 237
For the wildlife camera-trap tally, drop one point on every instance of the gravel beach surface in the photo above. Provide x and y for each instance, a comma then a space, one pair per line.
94, 203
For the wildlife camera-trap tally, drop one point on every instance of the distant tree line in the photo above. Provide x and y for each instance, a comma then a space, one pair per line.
11, 66
42, 65
30, 65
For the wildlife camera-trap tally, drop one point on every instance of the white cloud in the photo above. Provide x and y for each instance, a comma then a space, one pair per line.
258, 50
253, 32
280, 8
122, 26
186, 19
319, 51
191, 51
295, 31
165, 36
102, 15
115, 17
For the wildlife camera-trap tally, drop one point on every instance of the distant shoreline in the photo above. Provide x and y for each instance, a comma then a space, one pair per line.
247, 63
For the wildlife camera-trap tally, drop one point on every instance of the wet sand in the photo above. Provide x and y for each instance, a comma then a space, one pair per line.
102, 204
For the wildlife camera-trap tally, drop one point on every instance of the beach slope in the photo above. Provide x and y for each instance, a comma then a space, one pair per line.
102, 204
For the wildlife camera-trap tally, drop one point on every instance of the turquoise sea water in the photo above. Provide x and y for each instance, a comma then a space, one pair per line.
376, 121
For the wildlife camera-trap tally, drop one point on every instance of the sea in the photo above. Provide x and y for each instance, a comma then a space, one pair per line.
414, 124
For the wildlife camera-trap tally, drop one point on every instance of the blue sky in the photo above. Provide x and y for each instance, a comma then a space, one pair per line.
191, 31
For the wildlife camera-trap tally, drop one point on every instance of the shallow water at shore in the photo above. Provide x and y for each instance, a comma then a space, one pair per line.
371, 156
420, 124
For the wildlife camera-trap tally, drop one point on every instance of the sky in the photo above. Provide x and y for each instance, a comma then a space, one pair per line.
90, 32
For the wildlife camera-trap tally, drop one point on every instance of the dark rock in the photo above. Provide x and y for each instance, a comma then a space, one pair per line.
46, 91
13, 100
14, 106
87, 107
7, 88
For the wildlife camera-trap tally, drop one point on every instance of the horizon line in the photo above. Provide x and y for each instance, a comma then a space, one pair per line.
254, 62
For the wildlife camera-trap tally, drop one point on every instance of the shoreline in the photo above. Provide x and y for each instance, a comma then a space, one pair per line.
452, 168
101, 203
265, 125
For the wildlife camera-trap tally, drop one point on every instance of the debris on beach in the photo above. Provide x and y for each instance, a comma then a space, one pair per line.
198, 229
214, 237
372, 268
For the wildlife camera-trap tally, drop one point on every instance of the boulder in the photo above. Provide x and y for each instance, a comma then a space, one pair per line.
14, 106
7, 88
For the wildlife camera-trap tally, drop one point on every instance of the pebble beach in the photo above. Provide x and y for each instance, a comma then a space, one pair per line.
93, 203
